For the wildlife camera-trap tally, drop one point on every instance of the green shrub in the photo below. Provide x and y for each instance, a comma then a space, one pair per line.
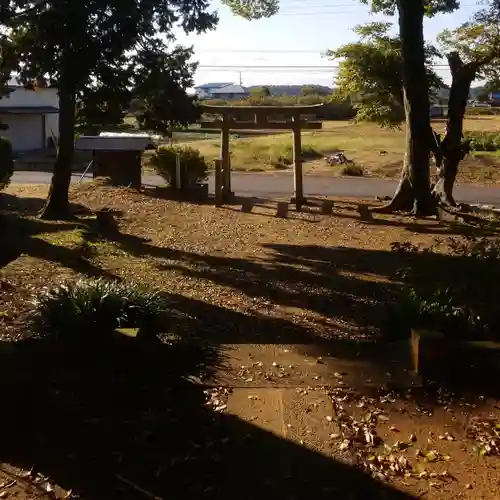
352, 170
454, 294
93, 308
6, 162
194, 167
483, 141
482, 111
285, 157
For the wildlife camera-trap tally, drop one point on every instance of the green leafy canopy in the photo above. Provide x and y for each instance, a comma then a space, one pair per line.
101, 50
257, 9
370, 74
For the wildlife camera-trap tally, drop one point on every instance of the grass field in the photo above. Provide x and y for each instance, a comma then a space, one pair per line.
380, 152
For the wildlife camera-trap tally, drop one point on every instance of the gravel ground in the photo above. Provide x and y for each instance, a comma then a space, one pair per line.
317, 275
241, 275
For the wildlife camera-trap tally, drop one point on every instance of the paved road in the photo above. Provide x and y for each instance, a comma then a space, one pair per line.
281, 184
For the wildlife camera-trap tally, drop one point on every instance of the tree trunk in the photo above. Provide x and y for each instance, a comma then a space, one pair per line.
414, 192
57, 204
451, 147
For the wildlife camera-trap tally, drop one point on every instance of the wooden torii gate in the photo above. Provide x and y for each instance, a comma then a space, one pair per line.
260, 118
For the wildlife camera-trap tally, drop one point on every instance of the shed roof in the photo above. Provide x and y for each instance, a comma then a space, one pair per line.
113, 143
230, 89
216, 85
28, 110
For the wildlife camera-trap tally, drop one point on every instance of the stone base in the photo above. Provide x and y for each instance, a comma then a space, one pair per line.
428, 349
198, 192
463, 364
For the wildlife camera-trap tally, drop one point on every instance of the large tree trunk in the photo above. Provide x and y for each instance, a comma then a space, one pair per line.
57, 205
451, 147
414, 192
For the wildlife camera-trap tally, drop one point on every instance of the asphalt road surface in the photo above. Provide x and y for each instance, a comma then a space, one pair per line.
266, 185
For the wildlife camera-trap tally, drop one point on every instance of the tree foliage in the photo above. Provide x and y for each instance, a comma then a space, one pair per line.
313, 90
371, 74
477, 42
261, 92
257, 9
253, 9
95, 53
161, 86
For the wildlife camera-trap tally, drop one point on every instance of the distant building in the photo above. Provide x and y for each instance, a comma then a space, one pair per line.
32, 117
221, 91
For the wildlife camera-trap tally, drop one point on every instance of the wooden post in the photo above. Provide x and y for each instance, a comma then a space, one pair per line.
178, 180
224, 156
218, 183
227, 180
298, 186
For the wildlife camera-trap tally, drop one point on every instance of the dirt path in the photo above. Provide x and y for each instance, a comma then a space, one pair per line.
347, 412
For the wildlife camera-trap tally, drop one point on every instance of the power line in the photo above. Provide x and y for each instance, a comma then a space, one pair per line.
263, 66
272, 66
264, 51
339, 9
329, 4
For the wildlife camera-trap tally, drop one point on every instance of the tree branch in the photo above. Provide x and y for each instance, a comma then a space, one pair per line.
454, 62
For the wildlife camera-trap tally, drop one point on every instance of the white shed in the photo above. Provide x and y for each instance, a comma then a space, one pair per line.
32, 117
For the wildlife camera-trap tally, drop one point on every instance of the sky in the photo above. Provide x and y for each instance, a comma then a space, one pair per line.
291, 44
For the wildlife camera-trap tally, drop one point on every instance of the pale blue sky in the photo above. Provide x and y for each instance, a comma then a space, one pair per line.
303, 31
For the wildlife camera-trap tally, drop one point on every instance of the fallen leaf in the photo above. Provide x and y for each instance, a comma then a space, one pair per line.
432, 456
369, 438
344, 445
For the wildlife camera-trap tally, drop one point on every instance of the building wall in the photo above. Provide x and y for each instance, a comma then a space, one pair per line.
20, 124
203, 94
51, 126
23, 97
25, 131
229, 97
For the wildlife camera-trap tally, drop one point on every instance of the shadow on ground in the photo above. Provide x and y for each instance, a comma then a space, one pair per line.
119, 420
18, 220
358, 286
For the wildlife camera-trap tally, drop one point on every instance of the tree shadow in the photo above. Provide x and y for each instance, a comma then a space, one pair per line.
119, 420
172, 194
283, 209
469, 225
25, 239
346, 286
25, 205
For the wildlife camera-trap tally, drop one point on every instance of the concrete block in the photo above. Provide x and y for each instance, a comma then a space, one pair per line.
327, 207
282, 210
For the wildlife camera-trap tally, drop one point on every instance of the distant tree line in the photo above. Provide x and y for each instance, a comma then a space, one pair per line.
334, 108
